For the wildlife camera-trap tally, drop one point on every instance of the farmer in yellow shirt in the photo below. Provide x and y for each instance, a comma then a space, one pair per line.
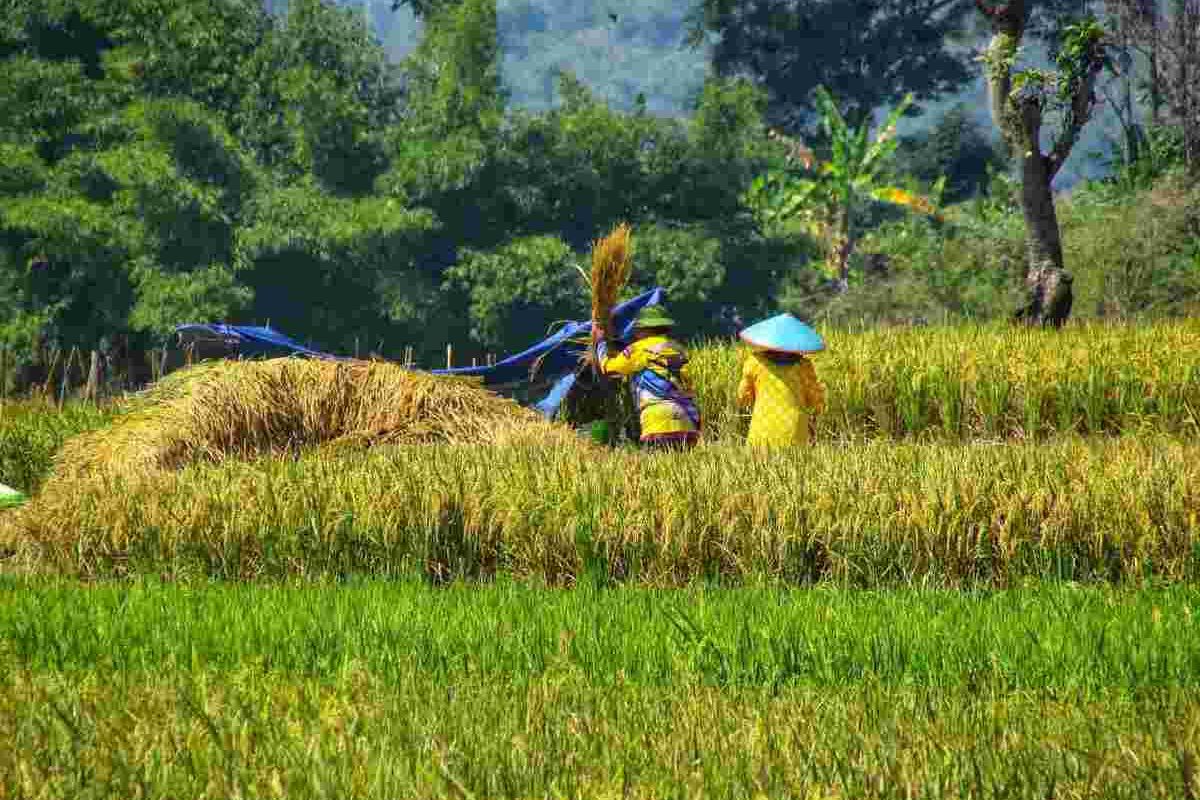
780, 382
655, 365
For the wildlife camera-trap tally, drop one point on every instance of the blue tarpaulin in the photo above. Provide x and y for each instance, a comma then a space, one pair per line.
551, 363
248, 340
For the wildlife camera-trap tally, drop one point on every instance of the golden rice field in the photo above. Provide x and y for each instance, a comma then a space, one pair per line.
987, 382
303, 468
1120, 509
1021, 461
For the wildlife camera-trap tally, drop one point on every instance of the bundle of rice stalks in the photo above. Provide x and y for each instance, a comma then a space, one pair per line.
610, 271
213, 411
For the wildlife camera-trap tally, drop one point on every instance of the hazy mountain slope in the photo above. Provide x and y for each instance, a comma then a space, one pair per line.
641, 52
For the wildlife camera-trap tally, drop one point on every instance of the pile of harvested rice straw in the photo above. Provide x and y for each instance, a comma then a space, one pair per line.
240, 409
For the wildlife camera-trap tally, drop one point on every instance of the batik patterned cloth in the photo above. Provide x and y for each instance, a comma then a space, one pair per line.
656, 367
784, 392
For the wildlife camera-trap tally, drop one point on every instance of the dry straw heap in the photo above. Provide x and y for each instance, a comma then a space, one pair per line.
217, 410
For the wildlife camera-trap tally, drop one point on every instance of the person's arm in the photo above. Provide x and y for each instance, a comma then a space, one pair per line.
629, 361
746, 387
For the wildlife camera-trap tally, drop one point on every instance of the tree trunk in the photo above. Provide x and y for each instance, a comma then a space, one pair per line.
1129, 121
1018, 115
1181, 35
841, 245
1047, 283
1155, 79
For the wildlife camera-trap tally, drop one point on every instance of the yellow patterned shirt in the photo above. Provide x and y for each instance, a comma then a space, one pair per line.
669, 410
783, 396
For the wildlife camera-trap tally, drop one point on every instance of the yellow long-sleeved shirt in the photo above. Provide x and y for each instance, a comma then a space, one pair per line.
783, 396
659, 415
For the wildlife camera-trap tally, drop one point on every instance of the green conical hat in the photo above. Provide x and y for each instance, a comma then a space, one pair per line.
653, 317
10, 497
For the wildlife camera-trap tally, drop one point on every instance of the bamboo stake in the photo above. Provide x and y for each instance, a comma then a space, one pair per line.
92, 392
162, 365
48, 386
449, 356
408, 356
66, 377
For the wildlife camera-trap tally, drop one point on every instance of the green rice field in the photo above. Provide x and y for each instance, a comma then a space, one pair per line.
510, 690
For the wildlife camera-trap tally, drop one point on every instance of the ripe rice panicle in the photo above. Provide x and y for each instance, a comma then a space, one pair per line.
610, 271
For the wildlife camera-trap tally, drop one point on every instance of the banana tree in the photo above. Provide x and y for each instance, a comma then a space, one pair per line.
826, 195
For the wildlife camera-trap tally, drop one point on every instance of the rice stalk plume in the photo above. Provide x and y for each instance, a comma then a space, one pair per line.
610, 271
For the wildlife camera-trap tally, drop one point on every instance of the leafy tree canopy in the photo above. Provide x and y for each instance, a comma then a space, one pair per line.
869, 53
166, 162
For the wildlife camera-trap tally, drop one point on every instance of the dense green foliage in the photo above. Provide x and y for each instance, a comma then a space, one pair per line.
189, 157
955, 147
794, 47
211, 160
288, 173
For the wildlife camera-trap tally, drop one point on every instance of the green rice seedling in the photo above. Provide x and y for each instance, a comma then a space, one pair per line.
1049, 637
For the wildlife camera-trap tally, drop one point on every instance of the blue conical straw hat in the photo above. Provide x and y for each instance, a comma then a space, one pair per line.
784, 333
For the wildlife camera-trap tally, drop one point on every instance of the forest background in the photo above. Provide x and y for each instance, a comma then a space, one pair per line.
363, 176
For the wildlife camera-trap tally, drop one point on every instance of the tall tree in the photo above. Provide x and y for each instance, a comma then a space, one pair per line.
1169, 38
324, 94
1019, 100
444, 150
956, 147
869, 53
196, 160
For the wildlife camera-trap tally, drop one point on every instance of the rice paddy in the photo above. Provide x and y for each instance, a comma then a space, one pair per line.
310, 579
391, 690
994, 383
1119, 510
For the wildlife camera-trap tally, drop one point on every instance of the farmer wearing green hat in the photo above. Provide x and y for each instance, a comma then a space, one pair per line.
779, 381
654, 364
